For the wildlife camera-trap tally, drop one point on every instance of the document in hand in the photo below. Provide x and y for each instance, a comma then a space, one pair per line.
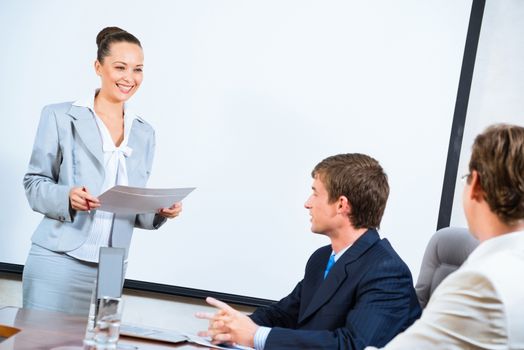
136, 200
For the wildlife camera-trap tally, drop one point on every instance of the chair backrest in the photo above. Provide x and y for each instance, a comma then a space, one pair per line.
446, 251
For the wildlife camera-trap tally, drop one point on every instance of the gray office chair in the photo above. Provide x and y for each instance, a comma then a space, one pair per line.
446, 251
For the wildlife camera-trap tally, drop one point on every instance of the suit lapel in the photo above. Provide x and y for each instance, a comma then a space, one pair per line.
136, 143
338, 273
314, 278
86, 127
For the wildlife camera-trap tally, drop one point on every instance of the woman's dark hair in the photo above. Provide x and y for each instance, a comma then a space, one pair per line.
110, 35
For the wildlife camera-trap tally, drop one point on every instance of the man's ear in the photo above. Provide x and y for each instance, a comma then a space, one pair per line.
476, 192
343, 205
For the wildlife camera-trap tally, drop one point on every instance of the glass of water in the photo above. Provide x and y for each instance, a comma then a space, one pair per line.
107, 326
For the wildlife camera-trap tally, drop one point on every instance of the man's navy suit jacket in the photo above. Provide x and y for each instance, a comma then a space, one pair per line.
366, 299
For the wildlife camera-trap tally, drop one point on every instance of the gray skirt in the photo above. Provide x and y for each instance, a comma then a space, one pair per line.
55, 281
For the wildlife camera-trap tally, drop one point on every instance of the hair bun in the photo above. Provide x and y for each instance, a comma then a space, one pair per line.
107, 31
110, 35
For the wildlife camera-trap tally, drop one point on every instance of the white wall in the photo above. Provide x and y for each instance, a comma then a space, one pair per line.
498, 82
246, 98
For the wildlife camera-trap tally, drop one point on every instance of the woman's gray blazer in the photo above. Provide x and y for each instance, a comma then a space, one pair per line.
68, 152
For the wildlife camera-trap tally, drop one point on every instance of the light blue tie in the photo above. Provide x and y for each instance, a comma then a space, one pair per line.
330, 264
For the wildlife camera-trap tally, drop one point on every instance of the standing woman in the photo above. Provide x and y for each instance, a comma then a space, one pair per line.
82, 149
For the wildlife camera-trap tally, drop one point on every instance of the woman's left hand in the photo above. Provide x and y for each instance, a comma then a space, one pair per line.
171, 212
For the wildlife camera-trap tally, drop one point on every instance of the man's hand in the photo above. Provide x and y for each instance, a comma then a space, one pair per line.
228, 325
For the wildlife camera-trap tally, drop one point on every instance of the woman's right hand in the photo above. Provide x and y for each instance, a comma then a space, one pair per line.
81, 200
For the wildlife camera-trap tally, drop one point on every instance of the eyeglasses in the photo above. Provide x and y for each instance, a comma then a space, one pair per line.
464, 178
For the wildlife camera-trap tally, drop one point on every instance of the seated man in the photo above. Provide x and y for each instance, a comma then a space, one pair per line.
355, 291
481, 305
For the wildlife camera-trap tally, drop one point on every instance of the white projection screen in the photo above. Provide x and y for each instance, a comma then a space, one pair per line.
246, 98
497, 85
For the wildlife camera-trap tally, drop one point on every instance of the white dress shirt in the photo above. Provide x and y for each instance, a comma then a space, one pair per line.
115, 174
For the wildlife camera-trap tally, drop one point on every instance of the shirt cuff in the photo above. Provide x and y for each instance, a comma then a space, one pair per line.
261, 337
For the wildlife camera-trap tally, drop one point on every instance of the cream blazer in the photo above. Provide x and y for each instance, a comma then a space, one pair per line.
479, 306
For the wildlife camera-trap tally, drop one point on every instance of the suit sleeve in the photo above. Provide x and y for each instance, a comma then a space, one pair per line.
383, 306
150, 221
41, 182
282, 314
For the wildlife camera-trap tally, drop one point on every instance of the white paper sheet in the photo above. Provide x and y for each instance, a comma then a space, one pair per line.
171, 336
136, 200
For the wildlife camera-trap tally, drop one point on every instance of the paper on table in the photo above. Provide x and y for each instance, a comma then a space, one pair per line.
205, 342
137, 200
171, 336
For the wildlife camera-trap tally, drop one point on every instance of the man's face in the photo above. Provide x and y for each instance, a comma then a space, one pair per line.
323, 214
